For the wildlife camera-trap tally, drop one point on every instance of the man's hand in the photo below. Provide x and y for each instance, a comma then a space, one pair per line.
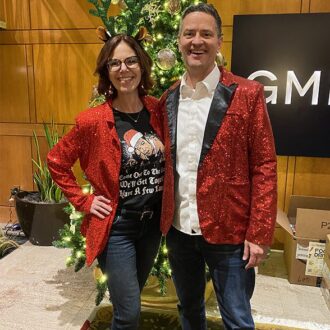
100, 207
254, 253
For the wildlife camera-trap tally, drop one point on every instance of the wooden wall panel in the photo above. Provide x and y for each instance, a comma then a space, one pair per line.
227, 9
319, 6
15, 13
305, 4
63, 80
16, 169
282, 168
49, 37
14, 92
64, 14
312, 176
226, 52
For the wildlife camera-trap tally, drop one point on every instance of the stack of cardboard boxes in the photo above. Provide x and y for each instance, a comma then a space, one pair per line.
307, 242
325, 284
306, 228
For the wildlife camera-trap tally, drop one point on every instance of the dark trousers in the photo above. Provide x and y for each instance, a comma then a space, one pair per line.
233, 284
127, 260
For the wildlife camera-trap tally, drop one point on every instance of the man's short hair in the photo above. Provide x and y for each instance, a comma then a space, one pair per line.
203, 8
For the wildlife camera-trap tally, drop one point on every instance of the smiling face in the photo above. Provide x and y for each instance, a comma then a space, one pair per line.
199, 44
125, 80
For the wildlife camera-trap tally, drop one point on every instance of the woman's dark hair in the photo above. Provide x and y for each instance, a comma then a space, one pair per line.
106, 53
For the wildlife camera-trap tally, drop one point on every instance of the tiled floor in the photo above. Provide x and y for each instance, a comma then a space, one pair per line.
37, 292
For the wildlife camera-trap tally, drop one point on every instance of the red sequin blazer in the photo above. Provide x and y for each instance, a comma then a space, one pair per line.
236, 179
94, 141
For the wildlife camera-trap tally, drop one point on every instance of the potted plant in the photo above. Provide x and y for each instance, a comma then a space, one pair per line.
6, 245
40, 213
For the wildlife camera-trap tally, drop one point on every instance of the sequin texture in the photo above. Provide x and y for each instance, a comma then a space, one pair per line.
236, 181
94, 141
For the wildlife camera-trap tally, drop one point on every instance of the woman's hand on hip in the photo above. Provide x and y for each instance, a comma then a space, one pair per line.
100, 207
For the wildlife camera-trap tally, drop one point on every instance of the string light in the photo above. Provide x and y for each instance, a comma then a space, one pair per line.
85, 190
103, 278
79, 254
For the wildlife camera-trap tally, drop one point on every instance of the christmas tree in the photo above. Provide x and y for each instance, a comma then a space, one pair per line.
159, 22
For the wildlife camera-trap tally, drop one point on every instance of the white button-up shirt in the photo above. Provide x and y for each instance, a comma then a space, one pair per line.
194, 106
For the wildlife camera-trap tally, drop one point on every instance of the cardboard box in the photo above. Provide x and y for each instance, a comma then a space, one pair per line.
327, 250
308, 220
325, 289
326, 274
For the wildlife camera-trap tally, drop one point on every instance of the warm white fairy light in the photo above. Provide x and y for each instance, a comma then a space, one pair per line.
79, 254
85, 190
103, 278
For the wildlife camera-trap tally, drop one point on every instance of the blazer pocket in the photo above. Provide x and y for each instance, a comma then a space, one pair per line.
238, 199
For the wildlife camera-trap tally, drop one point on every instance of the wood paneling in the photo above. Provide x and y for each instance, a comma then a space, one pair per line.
305, 4
289, 181
282, 168
64, 14
14, 129
227, 9
87, 36
312, 176
63, 80
226, 52
14, 93
227, 32
8, 213
319, 6
16, 168
16, 13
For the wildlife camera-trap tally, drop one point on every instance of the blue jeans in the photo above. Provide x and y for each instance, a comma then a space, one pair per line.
127, 261
233, 284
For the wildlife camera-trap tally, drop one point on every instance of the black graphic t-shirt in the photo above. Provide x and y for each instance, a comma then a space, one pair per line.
142, 165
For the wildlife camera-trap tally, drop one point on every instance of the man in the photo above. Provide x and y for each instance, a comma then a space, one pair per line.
220, 193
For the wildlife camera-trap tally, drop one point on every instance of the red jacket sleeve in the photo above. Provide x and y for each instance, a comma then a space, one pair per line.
262, 161
60, 161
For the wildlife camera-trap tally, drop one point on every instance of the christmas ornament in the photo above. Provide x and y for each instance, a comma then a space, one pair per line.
152, 10
174, 6
166, 59
122, 5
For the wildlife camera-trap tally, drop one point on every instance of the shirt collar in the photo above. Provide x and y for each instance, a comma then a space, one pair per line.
210, 82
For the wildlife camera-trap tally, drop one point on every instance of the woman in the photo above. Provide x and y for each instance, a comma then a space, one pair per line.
119, 148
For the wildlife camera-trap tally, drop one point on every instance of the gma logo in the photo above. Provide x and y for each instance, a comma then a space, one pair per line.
292, 80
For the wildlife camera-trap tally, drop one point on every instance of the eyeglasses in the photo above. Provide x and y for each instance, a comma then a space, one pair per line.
131, 62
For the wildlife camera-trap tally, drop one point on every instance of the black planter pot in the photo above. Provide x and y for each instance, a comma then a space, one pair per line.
40, 221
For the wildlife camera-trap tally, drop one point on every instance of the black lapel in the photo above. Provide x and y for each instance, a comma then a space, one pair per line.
220, 103
172, 104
